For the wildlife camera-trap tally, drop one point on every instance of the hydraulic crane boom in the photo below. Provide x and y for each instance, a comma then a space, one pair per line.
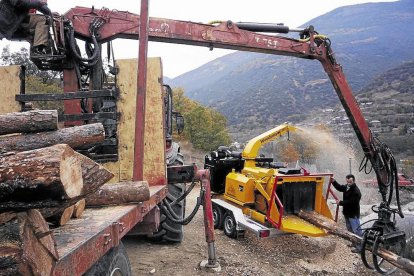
238, 36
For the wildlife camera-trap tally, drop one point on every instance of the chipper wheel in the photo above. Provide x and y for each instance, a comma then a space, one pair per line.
168, 230
230, 225
217, 216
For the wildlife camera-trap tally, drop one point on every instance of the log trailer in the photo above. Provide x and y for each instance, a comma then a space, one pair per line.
82, 78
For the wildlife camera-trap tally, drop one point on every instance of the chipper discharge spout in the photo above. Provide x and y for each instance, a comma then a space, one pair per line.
255, 193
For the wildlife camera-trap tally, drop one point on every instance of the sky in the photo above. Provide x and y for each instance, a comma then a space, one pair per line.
178, 59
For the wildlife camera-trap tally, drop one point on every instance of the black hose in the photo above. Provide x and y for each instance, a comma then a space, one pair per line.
171, 211
72, 43
74, 49
390, 181
397, 192
364, 164
166, 207
362, 224
386, 161
184, 221
185, 194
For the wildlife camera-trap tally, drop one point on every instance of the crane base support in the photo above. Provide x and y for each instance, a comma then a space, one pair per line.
206, 266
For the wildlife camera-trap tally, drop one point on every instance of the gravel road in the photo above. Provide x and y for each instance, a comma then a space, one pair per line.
282, 255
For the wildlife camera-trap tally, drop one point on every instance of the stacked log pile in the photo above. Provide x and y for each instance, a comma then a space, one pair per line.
42, 179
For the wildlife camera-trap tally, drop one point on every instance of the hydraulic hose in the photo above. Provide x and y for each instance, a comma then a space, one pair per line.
364, 164
397, 192
185, 194
87, 62
169, 212
386, 162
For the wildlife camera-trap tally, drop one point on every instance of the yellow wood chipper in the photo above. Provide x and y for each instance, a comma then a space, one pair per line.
254, 193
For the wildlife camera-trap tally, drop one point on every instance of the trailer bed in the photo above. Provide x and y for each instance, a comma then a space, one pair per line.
83, 241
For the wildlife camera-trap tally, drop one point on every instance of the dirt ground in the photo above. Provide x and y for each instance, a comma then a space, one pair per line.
282, 255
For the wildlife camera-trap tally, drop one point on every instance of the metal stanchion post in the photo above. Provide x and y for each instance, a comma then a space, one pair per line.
212, 263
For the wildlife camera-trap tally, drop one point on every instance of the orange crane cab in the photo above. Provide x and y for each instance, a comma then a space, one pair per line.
263, 199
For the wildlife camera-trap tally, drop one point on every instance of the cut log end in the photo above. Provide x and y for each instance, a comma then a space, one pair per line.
62, 217
71, 173
27, 246
79, 207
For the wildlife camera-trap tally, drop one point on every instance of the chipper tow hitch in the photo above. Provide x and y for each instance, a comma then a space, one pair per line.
382, 234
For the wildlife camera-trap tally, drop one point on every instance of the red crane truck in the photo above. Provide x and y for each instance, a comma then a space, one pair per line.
84, 246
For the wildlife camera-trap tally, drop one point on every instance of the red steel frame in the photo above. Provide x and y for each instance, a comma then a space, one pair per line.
82, 242
75, 260
204, 176
138, 168
330, 191
228, 36
274, 196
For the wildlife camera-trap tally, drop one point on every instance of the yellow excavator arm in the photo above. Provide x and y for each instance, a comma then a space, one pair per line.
252, 148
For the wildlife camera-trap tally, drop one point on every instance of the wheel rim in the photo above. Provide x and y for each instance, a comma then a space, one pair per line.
215, 216
229, 225
116, 272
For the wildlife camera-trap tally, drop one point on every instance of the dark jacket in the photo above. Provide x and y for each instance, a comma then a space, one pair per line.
13, 12
351, 198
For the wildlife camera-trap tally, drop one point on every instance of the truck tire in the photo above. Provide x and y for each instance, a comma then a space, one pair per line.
174, 155
217, 216
230, 225
114, 263
169, 231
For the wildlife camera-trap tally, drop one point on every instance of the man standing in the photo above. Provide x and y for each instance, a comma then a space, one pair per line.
16, 19
350, 204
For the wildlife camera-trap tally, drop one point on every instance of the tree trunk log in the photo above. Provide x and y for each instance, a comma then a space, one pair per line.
60, 217
27, 246
6, 217
48, 173
75, 137
7, 206
334, 229
78, 209
42, 171
30, 121
94, 176
119, 193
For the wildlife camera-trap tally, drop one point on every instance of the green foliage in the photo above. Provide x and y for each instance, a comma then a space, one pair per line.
36, 81
22, 57
35, 85
205, 128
